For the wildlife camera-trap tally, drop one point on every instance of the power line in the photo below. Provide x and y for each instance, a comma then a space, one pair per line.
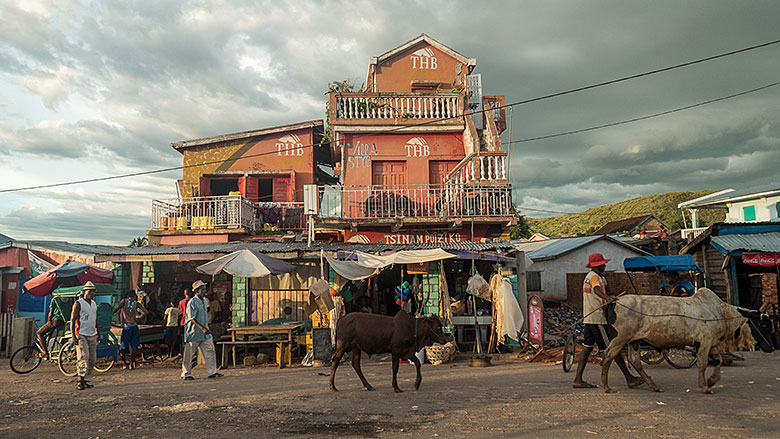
650, 116
409, 127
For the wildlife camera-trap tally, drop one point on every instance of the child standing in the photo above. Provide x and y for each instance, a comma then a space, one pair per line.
172, 316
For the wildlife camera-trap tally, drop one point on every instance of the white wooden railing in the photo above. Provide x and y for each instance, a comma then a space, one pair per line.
395, 106
415, 201
691, 234
485, 167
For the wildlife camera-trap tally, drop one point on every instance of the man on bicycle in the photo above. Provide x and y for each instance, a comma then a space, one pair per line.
58, 309
594, 302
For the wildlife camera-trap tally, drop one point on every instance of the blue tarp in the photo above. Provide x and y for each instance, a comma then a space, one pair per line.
661, 263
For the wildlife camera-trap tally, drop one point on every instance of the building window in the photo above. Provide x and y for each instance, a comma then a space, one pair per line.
777, 210
533, 279
749, 212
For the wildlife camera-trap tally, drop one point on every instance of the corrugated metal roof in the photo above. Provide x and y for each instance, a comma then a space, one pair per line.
4, 238
725, 196
551, 249
281, 247
70, 247
757, 242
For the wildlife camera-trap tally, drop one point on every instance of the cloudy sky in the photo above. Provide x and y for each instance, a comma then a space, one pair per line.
92, 89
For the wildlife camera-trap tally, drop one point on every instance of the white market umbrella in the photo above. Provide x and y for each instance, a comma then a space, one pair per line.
246, 263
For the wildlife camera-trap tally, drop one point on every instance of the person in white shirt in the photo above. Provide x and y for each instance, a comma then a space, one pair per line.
84, 333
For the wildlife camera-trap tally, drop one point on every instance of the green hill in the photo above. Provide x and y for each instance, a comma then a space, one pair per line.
664, 206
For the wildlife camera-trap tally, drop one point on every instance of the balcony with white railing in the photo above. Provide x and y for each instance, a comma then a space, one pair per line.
414, 201
231, 212
691, 234
395, 108
480, 168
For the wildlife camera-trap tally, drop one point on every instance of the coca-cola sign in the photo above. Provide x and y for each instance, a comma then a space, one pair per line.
762, 259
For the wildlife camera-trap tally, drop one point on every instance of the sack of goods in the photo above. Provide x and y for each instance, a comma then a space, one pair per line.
402, 294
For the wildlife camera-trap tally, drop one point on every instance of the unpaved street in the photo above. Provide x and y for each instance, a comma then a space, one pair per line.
511, 399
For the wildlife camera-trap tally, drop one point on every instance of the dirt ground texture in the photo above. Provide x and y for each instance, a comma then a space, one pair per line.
510, 399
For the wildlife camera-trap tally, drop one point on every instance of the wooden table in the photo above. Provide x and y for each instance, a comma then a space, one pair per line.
246, 331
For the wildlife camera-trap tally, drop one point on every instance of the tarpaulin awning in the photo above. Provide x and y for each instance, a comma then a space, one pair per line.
368, 265
246, 263
661, 263
762, 259
70, 273
351, 270
401, 257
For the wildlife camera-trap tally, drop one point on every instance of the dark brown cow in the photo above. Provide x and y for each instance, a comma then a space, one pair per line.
402, 336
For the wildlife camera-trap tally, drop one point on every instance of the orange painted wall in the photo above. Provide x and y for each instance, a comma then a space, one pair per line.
362, 150
235, 158
415, 64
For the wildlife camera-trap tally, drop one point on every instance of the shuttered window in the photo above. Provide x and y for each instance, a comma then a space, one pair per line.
749, 212
534, 280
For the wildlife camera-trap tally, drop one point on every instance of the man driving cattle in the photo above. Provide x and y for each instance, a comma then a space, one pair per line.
594, 299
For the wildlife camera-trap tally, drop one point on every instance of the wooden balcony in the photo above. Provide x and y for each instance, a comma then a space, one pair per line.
396, 108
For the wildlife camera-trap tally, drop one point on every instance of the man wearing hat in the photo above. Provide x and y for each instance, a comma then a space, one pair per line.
84, 333
197, 334
594, 299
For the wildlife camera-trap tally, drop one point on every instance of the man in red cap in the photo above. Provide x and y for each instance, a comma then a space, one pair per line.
594, 299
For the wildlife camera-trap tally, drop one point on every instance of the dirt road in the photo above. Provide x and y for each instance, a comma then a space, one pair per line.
511, 399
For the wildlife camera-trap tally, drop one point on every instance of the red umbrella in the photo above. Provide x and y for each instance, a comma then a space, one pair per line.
68, 274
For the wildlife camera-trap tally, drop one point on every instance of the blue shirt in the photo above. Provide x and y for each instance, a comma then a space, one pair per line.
196, 310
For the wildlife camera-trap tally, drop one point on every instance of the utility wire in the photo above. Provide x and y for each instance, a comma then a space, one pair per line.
409, 127
650, 116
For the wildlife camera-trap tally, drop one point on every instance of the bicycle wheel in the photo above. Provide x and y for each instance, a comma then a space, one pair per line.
569, 352
651, 356
66, 360
25, 359
104, 364
680, 358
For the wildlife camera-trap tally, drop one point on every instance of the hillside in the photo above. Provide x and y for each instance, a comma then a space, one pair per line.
664, 206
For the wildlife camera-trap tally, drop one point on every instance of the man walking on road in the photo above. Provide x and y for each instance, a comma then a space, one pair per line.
594, 302
197, 335
84, 333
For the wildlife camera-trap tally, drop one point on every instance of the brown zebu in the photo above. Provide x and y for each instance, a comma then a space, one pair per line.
702, 320
401, 335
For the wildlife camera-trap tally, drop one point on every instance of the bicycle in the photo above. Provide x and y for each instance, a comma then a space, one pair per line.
27, 358
648, 354
67, 363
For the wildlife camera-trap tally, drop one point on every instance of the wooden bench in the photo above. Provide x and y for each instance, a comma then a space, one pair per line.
231, 345
246, 331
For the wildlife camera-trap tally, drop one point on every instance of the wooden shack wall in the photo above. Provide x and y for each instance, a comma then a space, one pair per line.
711, 261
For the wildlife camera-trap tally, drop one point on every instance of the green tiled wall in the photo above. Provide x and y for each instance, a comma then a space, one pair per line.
147, 273
122, 277
240, 300
430, 288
